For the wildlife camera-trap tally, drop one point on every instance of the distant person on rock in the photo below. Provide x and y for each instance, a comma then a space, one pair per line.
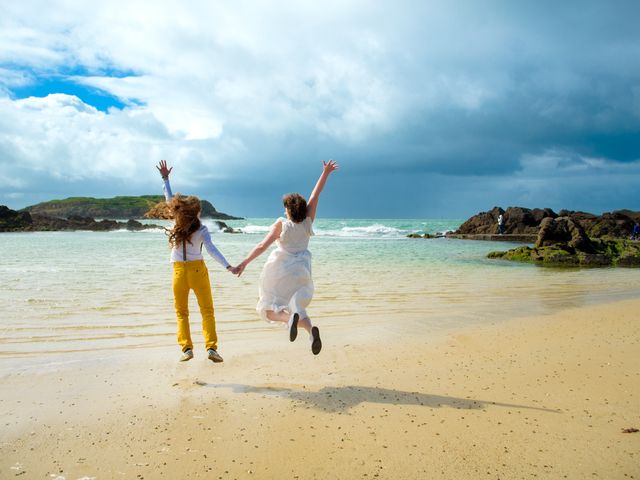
635, 235
286, 286
186, 238
500, 224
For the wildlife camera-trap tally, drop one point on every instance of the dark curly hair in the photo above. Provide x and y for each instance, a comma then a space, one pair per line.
296, 205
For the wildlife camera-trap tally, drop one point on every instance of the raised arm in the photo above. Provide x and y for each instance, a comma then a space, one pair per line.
164, 172
312, 204
272, 236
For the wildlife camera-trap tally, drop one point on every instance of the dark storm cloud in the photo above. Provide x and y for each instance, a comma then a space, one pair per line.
431, 108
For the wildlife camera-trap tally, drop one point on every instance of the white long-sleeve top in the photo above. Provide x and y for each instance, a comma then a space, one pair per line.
199, 238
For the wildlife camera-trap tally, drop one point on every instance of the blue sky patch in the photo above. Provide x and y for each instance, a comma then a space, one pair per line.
432, 109
61, 82
44, 86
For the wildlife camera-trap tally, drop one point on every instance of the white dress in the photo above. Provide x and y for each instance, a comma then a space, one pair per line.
285, 281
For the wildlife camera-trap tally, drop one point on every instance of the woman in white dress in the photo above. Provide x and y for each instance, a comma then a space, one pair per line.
286, 285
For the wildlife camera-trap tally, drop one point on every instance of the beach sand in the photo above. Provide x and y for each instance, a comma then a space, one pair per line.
543, 397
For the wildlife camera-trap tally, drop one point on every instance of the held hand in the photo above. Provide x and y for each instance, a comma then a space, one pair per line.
234, 270
162, 168
240, 268
330, 166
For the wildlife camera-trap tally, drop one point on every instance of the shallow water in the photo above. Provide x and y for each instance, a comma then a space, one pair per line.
63, 294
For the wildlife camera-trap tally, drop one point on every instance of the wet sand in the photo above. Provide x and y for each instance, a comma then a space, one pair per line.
543, 397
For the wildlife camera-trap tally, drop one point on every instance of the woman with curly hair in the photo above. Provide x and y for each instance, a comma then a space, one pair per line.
186, 238
286, 286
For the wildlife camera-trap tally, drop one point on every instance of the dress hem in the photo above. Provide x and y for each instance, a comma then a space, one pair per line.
262, 311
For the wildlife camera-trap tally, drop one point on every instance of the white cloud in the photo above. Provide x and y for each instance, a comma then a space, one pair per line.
67, 138
204, 65
225, 87
11, 79
32, 47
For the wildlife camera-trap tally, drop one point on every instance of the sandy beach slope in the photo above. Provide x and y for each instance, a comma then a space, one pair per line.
544, 397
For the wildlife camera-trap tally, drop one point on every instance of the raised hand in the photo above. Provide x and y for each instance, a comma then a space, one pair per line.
162, 168
329, 166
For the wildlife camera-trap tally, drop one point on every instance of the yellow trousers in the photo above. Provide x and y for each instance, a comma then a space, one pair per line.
193, 276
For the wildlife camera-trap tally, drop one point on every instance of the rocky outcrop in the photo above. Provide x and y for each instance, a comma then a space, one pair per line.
13, 221
77, 222
563, 230
226, 228
579, 216
606, 253
494, 237
563, 242
74, 222
484, 222
609, 225
425, 235
523, 221
517, 220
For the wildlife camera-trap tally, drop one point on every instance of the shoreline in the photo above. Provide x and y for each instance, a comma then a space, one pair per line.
545, 395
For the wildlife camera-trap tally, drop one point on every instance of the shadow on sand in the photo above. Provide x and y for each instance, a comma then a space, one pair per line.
342, 399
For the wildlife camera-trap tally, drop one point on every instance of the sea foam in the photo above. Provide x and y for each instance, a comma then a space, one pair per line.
370, 231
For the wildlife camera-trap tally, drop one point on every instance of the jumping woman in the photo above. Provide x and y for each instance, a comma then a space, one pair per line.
286, 285
186, 238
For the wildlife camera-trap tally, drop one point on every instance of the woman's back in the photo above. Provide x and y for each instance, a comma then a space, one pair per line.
295, 236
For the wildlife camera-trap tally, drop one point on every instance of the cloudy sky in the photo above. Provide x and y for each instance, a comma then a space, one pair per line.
433, 109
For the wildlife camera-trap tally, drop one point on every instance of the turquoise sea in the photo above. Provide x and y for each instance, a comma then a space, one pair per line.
66, 295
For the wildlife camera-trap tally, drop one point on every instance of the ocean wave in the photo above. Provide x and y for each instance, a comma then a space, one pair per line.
338, 229
377, 231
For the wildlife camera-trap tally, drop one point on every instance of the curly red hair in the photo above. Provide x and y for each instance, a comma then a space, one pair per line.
184, 211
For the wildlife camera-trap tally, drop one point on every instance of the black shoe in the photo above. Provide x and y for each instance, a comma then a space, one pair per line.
293, 327
316, 343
